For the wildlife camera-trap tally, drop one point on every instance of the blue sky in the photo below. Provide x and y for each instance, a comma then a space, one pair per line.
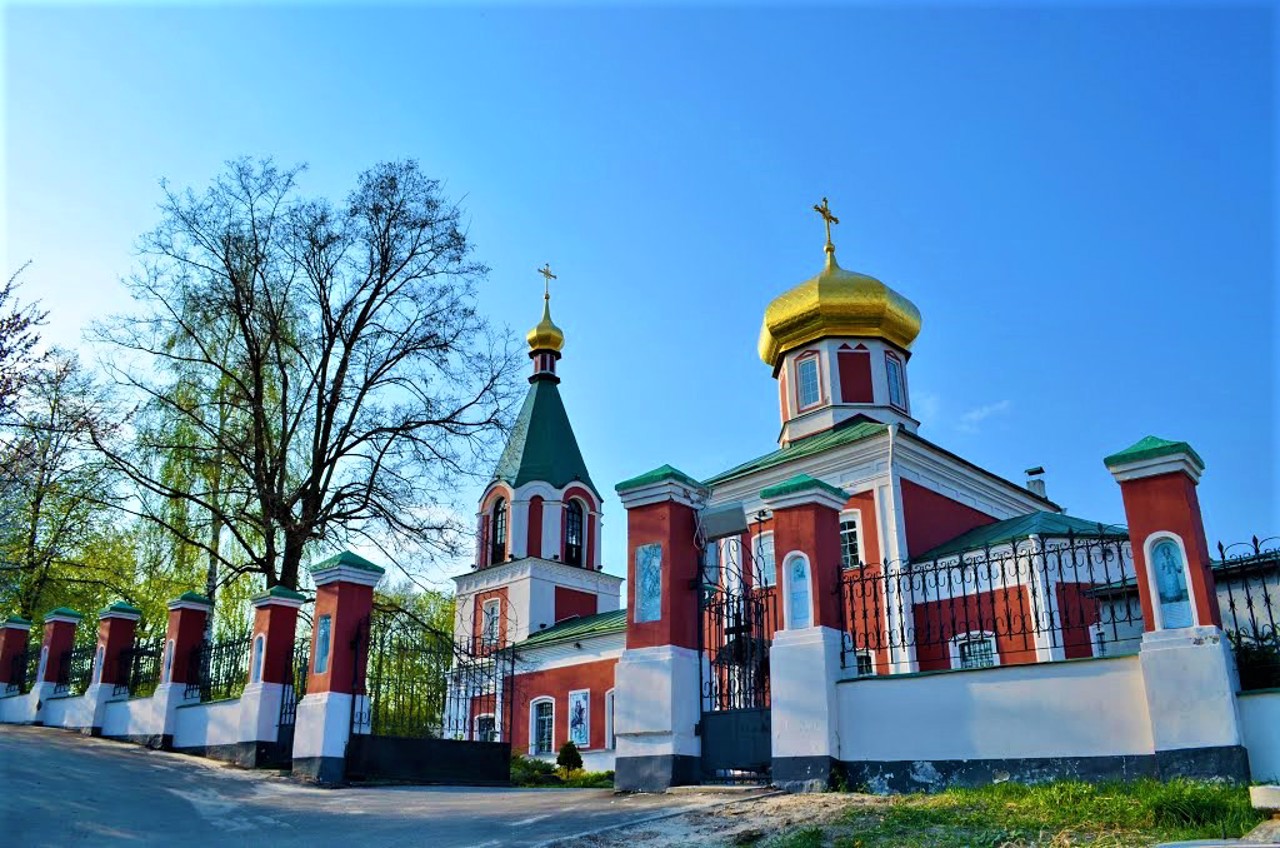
1080, 199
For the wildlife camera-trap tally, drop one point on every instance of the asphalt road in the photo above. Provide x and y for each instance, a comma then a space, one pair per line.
59, 788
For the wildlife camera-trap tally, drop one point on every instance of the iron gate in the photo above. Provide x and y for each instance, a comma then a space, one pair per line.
736, 625
431, 711
295, 688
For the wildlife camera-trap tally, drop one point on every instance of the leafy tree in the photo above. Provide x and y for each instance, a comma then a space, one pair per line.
19, 339
342, 344
54, 531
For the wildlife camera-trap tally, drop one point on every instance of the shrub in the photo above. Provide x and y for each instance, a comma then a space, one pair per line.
526, 771
569, 759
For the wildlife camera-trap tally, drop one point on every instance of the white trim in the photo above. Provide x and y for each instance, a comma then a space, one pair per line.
475, 726
757, 545
585, 746
61, 618
788, 613
273, 601
257, 658
13, 625
126, 616
953, 647
344, 574
667, 490
610, 743
1157, 465
533, 725
1153, 587
821, 497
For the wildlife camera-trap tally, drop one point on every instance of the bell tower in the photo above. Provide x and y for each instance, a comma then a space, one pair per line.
839, 344
538, 526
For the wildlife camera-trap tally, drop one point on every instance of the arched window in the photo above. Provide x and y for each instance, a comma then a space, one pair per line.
799, 605
573, 533
259, 651
498, 542
542, 722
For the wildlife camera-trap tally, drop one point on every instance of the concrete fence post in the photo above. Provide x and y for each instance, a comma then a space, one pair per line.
335, 698
804, 659
14, 634
657, 697
188, 614
275, 617
1188, 670
59, 638
116, 627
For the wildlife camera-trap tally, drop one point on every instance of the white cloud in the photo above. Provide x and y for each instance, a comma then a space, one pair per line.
969, 422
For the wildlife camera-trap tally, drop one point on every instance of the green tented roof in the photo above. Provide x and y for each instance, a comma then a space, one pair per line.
350, 560
599, 624
1033, 524
195, 598
1152, 447
542, 445
120, 606
803, 483
843, 435
658, 475
283, 592
17, 619
67, 611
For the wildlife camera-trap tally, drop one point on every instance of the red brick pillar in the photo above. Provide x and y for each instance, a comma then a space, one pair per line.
188, 614
59, 638
275, 620
339, 653
1158, 481
14, 633
658, 702
1188, 672
116, 626
804, 659
806, 538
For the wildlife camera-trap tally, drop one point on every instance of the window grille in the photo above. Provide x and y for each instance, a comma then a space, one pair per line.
766, 561
893, 366
573, 533
849, 542
543, 723
492, 610
976, 652
865, 666
486, 729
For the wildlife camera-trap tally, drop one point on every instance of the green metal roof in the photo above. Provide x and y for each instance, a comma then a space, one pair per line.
120, 606
17, 619
817, 443
803, 483
350, 560
284, 592
1152, 447
195, 598
599, 624
657, 475
1031, 524
542, 445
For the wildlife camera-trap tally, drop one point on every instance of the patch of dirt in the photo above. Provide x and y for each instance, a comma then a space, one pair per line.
737, 823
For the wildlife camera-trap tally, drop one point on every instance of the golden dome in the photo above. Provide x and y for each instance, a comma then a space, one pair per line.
546, 336
836, 303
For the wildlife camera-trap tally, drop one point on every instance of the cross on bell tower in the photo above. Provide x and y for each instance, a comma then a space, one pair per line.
825, 211
546, 339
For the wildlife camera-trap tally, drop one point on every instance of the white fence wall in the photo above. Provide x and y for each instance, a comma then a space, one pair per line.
1260, 723
207, 725
74, 713
134, 718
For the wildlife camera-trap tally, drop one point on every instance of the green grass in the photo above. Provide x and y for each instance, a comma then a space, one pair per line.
1056, 815
526, 771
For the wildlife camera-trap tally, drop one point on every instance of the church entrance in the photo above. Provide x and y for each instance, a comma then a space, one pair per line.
736, 624
430, 710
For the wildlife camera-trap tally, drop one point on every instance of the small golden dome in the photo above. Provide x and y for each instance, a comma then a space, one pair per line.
546, 336
836, 303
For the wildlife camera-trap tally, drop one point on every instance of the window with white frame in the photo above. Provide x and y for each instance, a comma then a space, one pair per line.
498, 541
486, 729
974, 650
897, 388
711, 564
491, 626
542, 721
808, 382
866, 667
850, 557
766, 561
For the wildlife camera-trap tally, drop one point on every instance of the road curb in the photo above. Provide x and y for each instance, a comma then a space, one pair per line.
727, 802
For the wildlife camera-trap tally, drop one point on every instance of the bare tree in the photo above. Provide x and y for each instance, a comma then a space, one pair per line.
327, 360
19, 339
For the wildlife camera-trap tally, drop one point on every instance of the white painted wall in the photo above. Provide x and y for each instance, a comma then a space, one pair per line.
18, 709
75, 712
1260, 723
198, 725
134, 717
1080, 708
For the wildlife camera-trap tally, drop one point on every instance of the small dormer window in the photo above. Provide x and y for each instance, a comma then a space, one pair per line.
897, 390
808, 381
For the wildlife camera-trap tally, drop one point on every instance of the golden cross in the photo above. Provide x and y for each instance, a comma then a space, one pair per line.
547, 277
825, 211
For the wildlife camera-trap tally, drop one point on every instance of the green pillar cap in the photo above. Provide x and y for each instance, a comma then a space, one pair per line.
661, 474
17, 619
64, 611
280, 592
349, 560
803, 483
1153, 447
193, 598
119, 606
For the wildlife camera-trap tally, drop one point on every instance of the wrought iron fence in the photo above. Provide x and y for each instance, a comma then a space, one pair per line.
296, 689
75, 670
219, 670
138, 669
420, 684
1030, 600
22, 673
1247, 576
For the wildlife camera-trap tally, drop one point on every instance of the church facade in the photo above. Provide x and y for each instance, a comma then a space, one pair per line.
839, 346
